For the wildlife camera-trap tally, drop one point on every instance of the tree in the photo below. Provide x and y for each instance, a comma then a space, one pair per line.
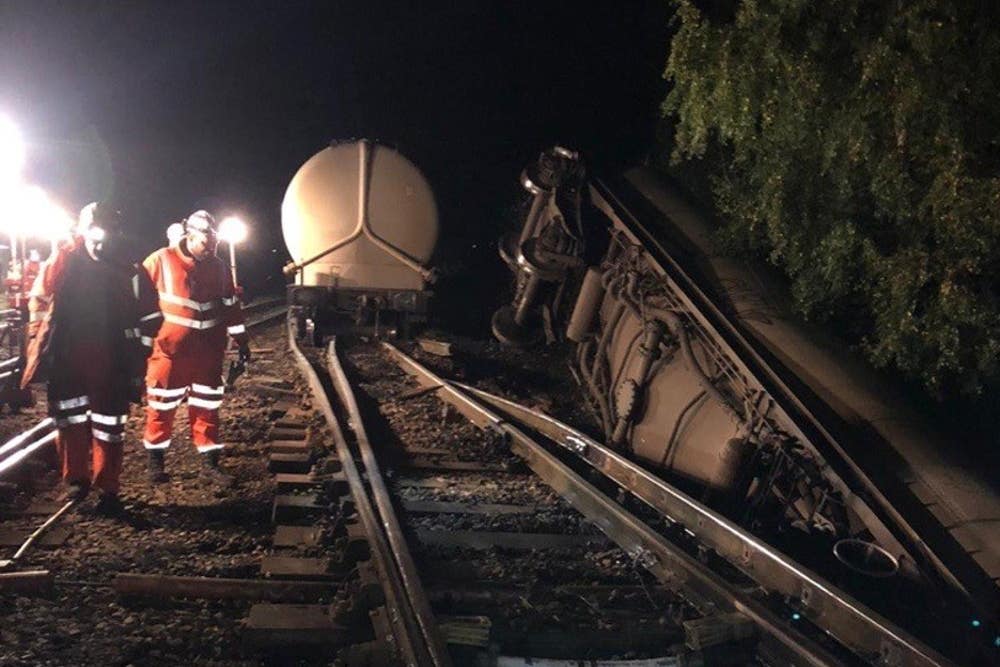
857, 146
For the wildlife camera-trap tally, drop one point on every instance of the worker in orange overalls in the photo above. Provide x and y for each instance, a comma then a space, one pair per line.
93, 317
200, 308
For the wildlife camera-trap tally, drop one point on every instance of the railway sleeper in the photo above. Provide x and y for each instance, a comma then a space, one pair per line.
274, 625
288, 447
289, 432
296, 537
294, 422
293, 462
309, 569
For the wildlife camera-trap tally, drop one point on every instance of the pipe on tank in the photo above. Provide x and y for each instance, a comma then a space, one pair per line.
676, 326
649, 351
587, 302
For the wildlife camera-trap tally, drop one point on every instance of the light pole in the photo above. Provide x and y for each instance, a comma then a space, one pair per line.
232, 230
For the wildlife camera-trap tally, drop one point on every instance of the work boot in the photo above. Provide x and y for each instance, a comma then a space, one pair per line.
109, 505
212, 471
156, 473
76, 490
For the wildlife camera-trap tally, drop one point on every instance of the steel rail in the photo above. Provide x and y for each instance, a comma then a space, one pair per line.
383, 503
263, 303
668, 562
406, 636
849, 621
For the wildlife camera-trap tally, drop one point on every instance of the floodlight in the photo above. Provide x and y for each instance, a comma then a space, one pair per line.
232, 230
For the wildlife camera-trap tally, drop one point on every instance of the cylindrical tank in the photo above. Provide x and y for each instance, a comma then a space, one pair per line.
373, 205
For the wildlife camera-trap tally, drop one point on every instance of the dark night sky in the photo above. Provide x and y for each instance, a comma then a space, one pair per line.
216, 104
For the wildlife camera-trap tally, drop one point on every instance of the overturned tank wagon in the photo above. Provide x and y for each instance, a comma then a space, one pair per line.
360, 222
693, 367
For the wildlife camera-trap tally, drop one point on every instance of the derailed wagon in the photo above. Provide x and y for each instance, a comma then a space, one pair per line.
693, 367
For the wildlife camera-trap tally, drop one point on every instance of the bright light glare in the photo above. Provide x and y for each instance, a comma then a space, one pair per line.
174, 233
33, 214
232, 230
95, 234
11, 151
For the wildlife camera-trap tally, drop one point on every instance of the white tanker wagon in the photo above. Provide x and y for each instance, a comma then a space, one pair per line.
360, 222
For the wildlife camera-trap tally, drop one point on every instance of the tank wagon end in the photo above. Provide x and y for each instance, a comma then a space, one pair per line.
360, 222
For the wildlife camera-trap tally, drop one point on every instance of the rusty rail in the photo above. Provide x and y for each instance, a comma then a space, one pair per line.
407, 636
404, 561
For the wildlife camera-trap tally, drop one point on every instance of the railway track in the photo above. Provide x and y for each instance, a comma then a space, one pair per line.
686, 556
426, 522
493, 556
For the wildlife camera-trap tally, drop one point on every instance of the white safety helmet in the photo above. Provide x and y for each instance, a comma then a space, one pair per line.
200, 221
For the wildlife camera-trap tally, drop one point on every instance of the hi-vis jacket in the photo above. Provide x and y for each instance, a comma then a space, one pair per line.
88, 313
199, 304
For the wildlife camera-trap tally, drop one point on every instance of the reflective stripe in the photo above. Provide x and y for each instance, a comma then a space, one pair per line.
71, 403
205, 389
109, 420
132, 333
72, 419
107, 437
168, 283
147, 341
155, 445
163, 406
238, 329
189, 323
204, 449
151, 316
189, 303
229, 300
166, 393
202, 403
135, 285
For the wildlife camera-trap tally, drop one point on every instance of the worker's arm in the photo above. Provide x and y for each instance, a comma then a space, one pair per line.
232, 312
43, 290
148, 304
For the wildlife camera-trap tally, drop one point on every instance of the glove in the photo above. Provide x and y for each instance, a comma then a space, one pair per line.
245, 353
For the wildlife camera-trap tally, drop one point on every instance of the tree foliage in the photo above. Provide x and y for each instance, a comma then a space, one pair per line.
861, 156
